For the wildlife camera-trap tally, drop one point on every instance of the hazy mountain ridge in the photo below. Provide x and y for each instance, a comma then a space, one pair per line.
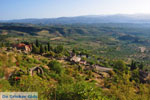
119, 18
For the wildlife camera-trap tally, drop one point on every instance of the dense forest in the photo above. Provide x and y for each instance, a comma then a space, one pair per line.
77, 61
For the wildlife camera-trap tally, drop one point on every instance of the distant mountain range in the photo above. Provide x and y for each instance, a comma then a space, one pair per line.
90, 19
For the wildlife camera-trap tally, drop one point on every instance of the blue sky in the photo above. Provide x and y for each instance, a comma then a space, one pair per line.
19, 9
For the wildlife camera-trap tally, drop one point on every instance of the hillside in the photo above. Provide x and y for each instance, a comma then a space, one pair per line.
112, 41
79, 61
64, 74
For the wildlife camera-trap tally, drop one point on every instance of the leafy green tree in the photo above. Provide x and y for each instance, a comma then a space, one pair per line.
84, 52
120, 67
91, 62
56, 66
135, 75
59, 49
133, 65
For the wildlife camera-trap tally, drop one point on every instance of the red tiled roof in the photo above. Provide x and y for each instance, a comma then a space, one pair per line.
21, 45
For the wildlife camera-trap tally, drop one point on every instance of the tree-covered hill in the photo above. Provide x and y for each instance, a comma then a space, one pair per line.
113, 41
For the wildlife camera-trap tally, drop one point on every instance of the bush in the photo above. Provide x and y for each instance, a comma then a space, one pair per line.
36, 61
56, 66
111, 73
66, 79
78, 91
1, 73
30, 60
50, 54
4, 86
45, 61
54, 75
35, 83
0, 63
59, 49
120, 67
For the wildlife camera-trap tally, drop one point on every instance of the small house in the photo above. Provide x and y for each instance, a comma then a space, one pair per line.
23, 47
75, 59
83, 62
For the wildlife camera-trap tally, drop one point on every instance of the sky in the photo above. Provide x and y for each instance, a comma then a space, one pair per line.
21, 9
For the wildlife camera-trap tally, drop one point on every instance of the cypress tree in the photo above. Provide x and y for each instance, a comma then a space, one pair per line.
42, 49
48, 44
50, 48
3, 44
133, 65
46, 48
35, 49
141, 66
37, 43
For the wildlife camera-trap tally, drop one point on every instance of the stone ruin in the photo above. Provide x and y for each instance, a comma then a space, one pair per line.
36, 70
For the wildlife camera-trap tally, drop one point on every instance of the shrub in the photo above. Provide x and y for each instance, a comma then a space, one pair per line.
0, 63
36, 61
135, 75
111, 73
30, 60
90, 74
45, 61
4, 86
35, 83
56, 66
50, 54
1, 73
78, 91
59, 49
54, 75
120, 67
66, 79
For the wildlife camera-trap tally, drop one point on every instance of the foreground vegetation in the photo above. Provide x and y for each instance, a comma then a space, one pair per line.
63, 79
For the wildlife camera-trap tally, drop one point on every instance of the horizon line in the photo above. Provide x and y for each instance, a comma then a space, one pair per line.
75, 16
